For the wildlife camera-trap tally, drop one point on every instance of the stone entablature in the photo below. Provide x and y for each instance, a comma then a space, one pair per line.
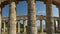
4, 2
58, 1
26, 18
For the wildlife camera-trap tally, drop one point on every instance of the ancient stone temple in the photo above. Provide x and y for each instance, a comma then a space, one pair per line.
31, 17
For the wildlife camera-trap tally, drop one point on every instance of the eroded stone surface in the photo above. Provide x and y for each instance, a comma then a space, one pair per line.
12, 19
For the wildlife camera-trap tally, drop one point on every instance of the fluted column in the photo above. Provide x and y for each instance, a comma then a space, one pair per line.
41, 29
58, 5
24, 23
32, 25
49, 17
18, 27
59, 19
58, 25
4, 27
12, 18
0, 18
55, 25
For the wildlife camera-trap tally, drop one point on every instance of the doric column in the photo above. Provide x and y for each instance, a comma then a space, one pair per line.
58, 5
59, 20
32, 24
0, 18
4, 27
49, 17
41, 29
12, 18
24, 23
18, 26
55, 25
58, 25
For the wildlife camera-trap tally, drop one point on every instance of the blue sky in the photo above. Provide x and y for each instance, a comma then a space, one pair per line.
21, 9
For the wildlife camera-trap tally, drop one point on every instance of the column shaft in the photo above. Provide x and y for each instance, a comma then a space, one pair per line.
32, 25
4, 27
24, 23
12, 18
49, 17
55, 25
58, 25
0, 19
18, 26
41, 29
59, 20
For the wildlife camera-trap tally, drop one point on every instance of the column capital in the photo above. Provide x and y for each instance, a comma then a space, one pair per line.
12, 0
29, 1
58, 5
24, 19
18, 21
47, 1
16, 1
41, 17
13, 3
